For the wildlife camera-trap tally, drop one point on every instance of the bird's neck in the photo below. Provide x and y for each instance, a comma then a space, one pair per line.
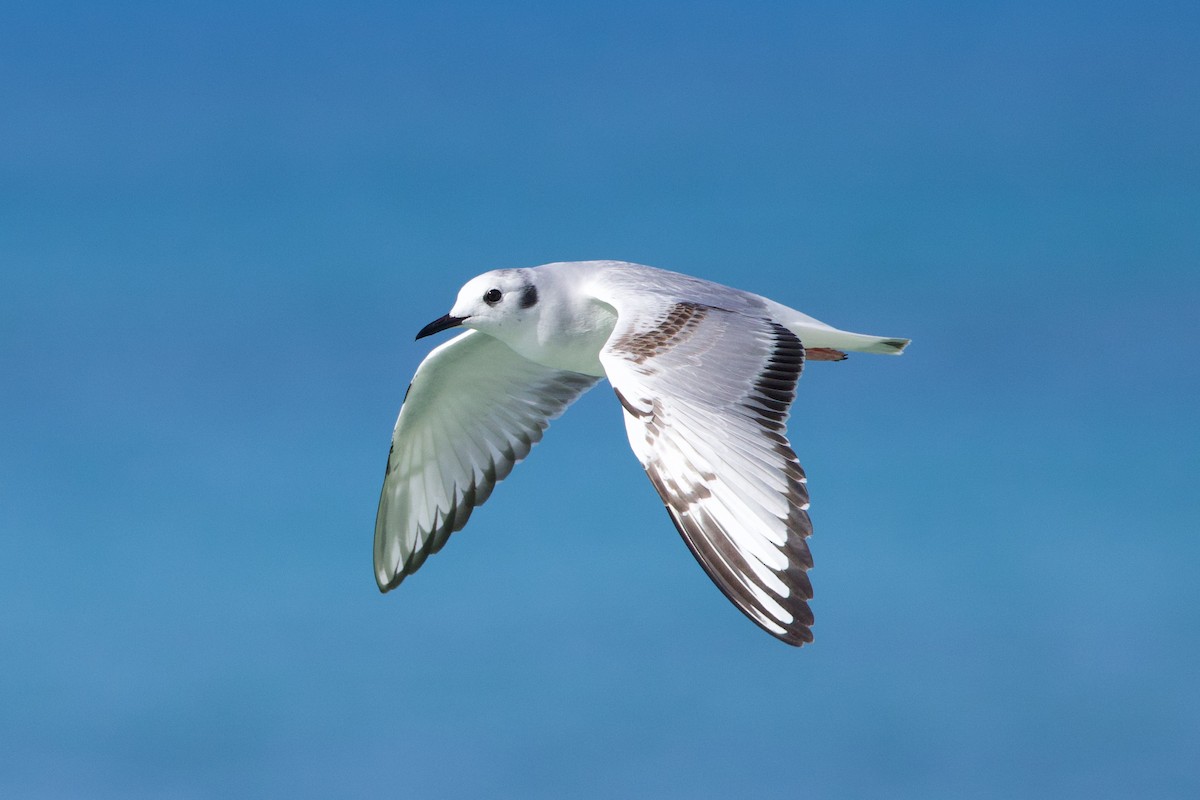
568, 335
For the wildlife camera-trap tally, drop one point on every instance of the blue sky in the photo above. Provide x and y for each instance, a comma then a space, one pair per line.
221, 226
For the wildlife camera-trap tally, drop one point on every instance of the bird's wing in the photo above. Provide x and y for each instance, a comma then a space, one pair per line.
473, 410
706, 393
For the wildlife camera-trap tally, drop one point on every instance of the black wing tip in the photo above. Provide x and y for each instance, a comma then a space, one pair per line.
797, 634
385, 587
796, 637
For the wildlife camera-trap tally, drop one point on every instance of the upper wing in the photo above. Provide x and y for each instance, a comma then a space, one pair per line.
473, 410
706, 393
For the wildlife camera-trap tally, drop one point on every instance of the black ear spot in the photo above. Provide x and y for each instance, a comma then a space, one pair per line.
491, 296
529, 296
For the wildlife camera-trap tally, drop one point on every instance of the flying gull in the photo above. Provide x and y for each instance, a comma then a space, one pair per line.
705, 375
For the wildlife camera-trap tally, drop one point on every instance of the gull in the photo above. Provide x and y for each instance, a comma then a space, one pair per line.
705, 375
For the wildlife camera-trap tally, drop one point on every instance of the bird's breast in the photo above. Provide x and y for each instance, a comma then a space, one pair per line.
570, 341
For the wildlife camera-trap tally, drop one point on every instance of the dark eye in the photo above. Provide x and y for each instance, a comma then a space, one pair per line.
491, 296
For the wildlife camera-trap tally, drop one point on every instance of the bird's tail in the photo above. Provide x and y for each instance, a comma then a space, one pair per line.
823, 337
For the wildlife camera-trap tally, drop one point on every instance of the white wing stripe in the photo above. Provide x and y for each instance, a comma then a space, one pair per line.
767, 486
724, 552
759, 487
706, 396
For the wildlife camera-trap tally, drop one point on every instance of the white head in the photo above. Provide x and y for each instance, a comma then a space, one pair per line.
495, 302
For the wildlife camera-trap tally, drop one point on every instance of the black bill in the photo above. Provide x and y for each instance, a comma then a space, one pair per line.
439, 325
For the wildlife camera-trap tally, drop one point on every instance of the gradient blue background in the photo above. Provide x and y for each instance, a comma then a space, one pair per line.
220, 227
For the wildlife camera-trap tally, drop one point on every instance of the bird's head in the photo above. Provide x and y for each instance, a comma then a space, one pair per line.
495, 302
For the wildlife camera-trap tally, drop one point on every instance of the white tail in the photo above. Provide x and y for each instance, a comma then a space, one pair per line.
823, 336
